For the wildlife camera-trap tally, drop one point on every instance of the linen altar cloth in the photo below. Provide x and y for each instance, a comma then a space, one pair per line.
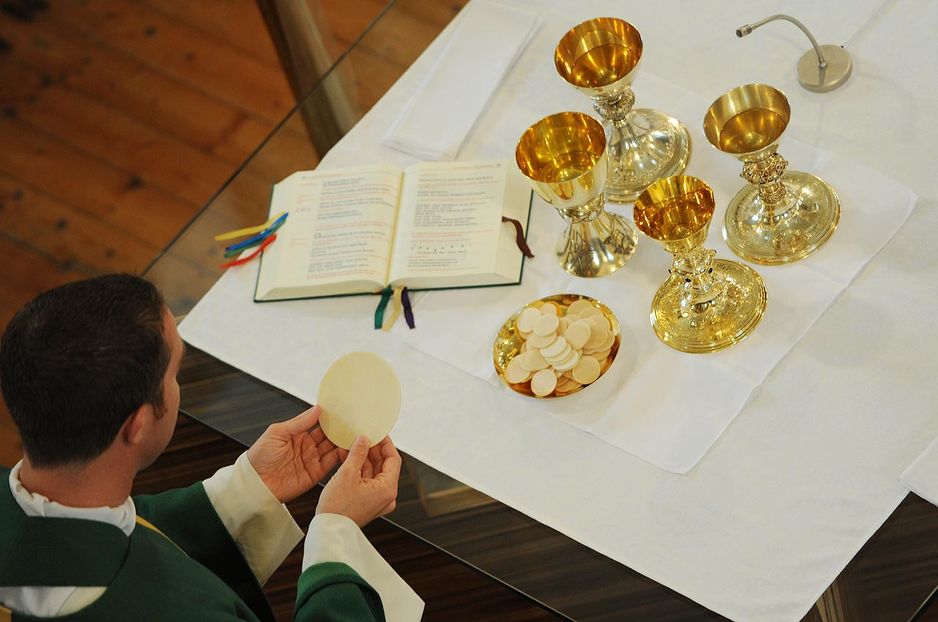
802, 477
664, 406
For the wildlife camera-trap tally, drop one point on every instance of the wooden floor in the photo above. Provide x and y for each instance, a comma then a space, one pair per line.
119, 119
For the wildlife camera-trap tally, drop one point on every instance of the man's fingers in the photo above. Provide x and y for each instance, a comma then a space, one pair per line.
324, 446
357, 455
317, 435
329, 459
304, 421
392, 459
388, 449
374, 456
392, 466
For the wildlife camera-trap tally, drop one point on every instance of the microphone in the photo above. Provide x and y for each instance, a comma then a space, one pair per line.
830, 68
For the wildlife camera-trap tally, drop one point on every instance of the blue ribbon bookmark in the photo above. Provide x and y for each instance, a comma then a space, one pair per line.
257, 239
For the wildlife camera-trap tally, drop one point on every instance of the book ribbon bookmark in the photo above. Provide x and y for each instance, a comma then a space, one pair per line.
240, 233
519, 237
262, 236
401, 300
260, 249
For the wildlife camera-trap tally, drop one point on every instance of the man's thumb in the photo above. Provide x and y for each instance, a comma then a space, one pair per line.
357, 454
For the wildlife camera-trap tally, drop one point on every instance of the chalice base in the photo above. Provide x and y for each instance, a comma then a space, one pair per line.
802, 224
597, 247
649, 145
712, 325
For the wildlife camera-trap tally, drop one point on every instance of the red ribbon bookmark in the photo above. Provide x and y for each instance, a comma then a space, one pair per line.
257, 251
519, 237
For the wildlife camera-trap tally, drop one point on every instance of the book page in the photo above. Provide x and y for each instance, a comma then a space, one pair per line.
340, 227
450, 219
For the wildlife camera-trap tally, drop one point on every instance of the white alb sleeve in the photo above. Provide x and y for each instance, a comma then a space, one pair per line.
336, 538
261, 525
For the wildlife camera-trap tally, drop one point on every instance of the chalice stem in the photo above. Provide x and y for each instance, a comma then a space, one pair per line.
767, 174
695, 268
616, 108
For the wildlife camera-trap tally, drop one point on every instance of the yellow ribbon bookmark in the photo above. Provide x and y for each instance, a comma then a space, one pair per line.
247, 230
396, 313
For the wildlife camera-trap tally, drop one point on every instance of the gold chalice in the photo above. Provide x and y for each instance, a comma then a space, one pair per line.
706, 304
600, 58
780, 216
564, 157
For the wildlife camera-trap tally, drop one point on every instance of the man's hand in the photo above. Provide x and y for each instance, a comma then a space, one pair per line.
291, 456
365, 486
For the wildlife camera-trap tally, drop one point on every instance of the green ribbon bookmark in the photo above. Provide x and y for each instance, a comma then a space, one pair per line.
382, 305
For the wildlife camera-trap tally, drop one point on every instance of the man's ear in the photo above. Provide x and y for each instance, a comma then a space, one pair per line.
135, 428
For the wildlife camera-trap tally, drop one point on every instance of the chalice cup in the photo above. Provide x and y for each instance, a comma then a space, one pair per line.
600, 58
706, 304
564, 157
780, 216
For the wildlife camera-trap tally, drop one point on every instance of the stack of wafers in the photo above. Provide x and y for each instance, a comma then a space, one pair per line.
564, 348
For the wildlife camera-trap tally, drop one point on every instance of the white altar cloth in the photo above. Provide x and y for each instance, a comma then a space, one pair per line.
809, 469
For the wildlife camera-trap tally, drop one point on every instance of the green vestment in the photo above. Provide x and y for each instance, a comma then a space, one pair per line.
195, 572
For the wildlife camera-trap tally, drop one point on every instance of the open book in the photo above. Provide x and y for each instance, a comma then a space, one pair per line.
357, 230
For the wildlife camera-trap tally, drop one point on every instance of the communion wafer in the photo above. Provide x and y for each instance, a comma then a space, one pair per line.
590, 311
553, 350
347, 411
587, 370
597, 321
541, 341
607, 343
515, 373
526, 320
577, 306
533, 361
563, 326
543, 382
598, 335
577, 334
600, 356
564, 355
569, 362
546, 324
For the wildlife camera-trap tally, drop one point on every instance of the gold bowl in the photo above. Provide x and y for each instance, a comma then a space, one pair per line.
508, 342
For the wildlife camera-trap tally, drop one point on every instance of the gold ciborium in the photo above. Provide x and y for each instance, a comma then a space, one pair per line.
564, 157
780, 216
706, 304
600, 58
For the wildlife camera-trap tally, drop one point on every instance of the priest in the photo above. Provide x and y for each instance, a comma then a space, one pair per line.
88, 373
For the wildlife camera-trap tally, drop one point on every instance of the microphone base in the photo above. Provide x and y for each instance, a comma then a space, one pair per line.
838, 69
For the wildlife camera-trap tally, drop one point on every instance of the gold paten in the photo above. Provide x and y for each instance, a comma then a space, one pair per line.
564, 157
780, 216
706, 304
509, 340
600, 58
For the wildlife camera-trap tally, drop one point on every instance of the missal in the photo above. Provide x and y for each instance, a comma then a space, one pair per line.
434, 225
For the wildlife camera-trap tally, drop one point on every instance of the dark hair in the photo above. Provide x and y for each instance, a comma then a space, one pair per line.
78, 360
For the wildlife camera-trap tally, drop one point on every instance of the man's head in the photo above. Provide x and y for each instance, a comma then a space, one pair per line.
82, 362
